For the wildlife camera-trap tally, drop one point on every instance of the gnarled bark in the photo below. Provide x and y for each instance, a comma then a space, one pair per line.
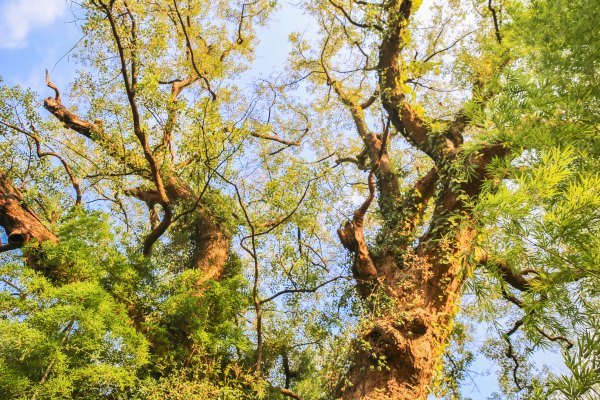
408, 341
21, 224
420, 284
211, 247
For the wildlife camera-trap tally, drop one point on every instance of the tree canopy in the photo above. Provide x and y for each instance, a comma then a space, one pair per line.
415, 188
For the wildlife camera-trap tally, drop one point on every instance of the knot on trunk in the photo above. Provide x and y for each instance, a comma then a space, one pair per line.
18, 237
352, 238
412, 328
385, 340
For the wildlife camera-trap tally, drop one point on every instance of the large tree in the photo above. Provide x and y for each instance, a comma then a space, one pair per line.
198, 256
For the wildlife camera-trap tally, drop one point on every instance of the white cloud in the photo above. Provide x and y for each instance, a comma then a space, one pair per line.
19, 17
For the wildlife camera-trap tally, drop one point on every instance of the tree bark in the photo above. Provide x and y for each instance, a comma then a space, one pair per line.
22, 225
396, 357
412, 290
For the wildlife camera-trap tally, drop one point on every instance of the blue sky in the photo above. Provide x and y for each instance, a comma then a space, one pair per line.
35, 35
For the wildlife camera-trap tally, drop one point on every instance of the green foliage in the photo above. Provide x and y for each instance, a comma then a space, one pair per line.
78, 338
542, 213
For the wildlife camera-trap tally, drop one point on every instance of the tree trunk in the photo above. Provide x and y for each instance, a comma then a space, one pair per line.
211, 247
414, 298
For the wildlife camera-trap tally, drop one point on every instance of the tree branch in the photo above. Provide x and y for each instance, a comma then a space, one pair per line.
40, 154
496, 25
305, 290
191, 50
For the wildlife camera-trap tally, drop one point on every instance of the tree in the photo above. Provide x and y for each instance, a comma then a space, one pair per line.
474, 126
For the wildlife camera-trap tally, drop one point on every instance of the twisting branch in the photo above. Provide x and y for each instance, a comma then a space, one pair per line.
352, 233
353, 22
508, 275
305, 290
277, 139
191, 50
405, 118
52, 86
40, 154
557, 338
67, 117
511, 297
511, 354
369, 102
495, 18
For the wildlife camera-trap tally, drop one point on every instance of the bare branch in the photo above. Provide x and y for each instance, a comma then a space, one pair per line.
436, 52
511, 354
495, 18
276, 139
369, 102
305, 290
191, 50
353, 22
40, 153
52, 86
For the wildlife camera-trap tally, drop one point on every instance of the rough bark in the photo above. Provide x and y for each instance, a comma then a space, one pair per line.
420, 284
408, 340
423, 284
21, 224
211, 249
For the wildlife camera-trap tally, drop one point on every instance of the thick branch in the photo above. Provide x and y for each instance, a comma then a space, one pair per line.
352, 233
415, 203
376, 150
405, 118
191, 52
67, 117
508, 275
275, 139
21, 224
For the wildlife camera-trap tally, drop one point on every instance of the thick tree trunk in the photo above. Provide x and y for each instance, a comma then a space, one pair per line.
397, 355
211, 247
